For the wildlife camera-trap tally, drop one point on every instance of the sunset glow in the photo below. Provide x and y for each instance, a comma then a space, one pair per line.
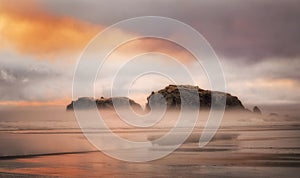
30, 30
45, 40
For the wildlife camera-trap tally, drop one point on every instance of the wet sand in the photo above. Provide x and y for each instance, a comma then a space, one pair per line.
242, 147
178, 164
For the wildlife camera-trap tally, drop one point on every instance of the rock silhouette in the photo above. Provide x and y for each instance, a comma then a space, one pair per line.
171, 97
256, 110
193, 97
102, 103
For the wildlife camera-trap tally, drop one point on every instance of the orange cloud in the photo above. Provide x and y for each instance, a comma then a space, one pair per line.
146, 45
29, 29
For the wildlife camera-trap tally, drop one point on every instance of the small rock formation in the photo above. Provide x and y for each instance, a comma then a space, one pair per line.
102, 103
273, 114
170, 96
256, 110
84, 102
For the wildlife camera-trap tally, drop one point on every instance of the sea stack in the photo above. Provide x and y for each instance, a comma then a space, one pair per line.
256, 110
170, 96
102, 103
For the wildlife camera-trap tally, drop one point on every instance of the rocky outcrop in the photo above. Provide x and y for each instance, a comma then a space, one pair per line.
170, 96
256, 110
102, 103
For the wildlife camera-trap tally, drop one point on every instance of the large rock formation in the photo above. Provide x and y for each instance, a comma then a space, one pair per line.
102, 103
170, 96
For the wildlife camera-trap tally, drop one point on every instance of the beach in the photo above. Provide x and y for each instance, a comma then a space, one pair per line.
54, 146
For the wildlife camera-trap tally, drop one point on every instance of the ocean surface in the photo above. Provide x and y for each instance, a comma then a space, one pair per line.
48, 142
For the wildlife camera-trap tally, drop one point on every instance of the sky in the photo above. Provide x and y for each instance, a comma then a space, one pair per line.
257, 43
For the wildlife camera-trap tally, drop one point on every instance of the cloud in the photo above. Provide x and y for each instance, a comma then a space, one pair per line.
152, 45
240, 30
30, 30
271, 81
6, 77
258, 42
23, 79
244, 30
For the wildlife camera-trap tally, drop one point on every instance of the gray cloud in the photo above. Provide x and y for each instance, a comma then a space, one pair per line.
268, 82
248, 30
6, 76
25, 79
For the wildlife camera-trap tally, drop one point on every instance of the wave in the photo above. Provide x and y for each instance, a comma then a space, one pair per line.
44, 154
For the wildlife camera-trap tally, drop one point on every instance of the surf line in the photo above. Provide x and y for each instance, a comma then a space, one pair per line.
44, 154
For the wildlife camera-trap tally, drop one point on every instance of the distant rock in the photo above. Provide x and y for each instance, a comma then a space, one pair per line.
273, 114
170, 96
256, 110
102, 103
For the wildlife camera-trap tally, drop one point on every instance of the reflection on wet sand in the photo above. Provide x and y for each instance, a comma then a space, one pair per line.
244, 146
